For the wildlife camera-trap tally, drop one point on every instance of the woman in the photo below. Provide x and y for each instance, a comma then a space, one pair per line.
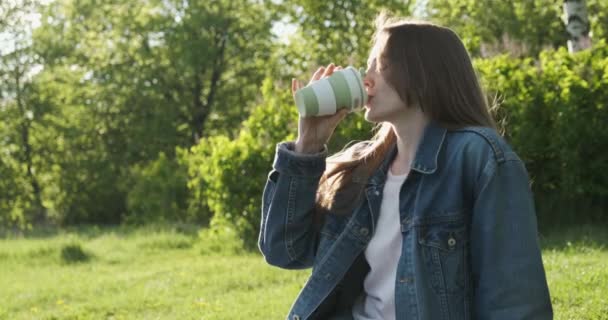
433, 218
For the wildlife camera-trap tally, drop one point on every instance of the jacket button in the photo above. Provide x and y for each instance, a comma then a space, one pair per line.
296, 317
364, 231
451, 242
377, 192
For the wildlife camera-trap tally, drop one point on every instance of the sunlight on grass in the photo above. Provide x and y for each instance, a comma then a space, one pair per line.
163, 275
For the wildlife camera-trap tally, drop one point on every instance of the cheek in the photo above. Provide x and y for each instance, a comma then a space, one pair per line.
391, 94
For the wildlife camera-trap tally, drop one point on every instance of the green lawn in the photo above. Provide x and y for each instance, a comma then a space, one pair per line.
147, 274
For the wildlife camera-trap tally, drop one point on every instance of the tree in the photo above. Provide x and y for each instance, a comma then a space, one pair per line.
126, 81
577, 25
522, 28
21, 195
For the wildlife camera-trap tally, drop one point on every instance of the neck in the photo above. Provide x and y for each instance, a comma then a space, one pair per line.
409, 131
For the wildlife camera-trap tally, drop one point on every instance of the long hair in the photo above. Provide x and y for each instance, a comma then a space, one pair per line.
429, 67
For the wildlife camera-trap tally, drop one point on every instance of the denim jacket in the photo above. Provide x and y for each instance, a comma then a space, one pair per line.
470, 248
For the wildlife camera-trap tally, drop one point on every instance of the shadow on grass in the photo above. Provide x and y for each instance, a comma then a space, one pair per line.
74, 253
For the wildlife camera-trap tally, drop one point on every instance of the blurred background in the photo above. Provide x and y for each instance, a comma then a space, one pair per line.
123, 115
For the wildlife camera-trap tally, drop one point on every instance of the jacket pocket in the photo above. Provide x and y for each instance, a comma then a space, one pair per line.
444, 249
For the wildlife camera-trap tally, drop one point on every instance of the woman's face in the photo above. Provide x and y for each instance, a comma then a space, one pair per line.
383, 103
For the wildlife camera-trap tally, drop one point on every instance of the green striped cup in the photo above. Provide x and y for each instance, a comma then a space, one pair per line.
343, 89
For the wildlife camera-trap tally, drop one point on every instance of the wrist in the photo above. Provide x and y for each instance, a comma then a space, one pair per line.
310, 148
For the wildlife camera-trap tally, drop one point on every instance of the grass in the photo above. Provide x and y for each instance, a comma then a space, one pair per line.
116, 273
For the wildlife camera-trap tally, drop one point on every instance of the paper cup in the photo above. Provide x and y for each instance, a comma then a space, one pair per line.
343, 89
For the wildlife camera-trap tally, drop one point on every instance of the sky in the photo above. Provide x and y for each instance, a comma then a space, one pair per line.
30, 22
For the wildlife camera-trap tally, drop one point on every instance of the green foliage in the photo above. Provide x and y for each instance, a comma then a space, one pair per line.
159, 192
16, 195
332, 31
79, 169
553, 111
232, 172
120, 83
556, 118
221, 238
133, 111
523, 28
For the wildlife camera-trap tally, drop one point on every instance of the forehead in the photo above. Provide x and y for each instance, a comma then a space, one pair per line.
372, 55
371, 61
375, 51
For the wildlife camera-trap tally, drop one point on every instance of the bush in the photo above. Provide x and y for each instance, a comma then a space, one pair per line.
17, 203
556, 113
15, 196
221, 238
159, 192
232, 172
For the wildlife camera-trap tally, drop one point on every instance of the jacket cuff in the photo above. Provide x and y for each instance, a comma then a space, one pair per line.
289, 162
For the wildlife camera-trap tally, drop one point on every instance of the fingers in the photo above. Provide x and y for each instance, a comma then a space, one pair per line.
317, 75
329, 70
323, 72
295, 85
342, 113
338, 116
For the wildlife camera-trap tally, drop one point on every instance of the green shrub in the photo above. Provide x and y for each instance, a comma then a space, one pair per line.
220, 238
16, 196
556, 111
159, 192
232, 172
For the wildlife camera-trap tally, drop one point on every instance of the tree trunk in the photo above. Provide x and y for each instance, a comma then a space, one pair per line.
202, 110
577, 25
39, 216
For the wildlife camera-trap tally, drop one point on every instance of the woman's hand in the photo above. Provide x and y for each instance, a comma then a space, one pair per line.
314, 132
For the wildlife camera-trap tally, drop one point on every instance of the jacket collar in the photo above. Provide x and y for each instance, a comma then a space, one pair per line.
425, 160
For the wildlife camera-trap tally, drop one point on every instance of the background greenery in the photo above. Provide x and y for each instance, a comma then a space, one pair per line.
154, 122
135, 112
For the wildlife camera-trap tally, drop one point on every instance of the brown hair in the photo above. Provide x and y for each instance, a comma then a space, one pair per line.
429, 67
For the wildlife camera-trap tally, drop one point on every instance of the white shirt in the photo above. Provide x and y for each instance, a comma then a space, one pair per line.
382, 255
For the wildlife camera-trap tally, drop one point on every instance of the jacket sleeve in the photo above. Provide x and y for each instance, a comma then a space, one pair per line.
287, 238
508, 275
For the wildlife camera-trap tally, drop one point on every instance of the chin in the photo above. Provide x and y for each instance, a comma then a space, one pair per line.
370, 117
